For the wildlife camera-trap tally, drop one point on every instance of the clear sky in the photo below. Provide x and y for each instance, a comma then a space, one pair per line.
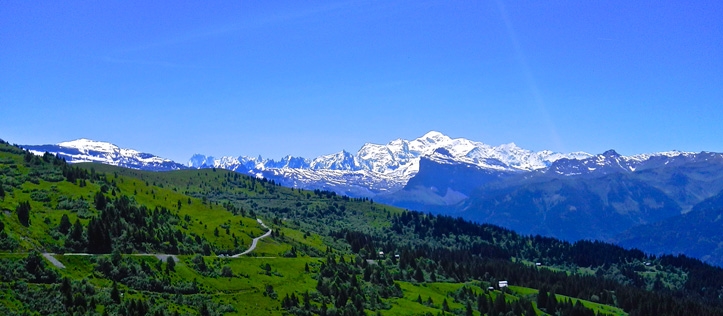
308, 78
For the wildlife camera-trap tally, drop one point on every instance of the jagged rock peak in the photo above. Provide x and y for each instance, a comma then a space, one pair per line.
611, 153
443, 151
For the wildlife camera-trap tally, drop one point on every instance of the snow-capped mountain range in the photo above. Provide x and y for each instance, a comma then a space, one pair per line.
379, 168
404, 155
373, 169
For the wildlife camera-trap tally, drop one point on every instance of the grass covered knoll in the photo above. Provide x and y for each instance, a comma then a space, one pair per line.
109, 211
327, 255
248, 195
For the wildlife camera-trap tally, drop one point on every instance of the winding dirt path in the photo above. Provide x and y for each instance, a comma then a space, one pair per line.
255, 241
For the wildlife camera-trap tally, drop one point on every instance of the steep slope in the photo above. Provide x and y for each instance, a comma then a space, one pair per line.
572, 209
698, 233
688, 179
442, 181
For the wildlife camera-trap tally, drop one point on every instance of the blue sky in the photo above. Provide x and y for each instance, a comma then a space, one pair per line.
308, 77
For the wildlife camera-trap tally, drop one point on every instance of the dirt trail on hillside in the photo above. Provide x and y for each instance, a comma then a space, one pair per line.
255, 241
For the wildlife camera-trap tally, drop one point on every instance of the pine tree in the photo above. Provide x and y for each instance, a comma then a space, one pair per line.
542, 298
307, 301
23, 212
551, 303
100, 201
65, 225
170, 264
482, 305
204, 310
499, 306
468, 309
418, 275
114, 294
66, 290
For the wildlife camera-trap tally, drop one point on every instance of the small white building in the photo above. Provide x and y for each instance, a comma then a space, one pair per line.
538, 264
381, 253
502, 284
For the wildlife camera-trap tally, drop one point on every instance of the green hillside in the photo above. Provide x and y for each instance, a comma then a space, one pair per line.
94, 239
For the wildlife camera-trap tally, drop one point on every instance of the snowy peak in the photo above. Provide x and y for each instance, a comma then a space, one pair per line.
432, 138
86, 145
340, 161
289, 162
434, 135
200, 161
506, 156
226, 162
93, 148
86, 150
378, 158
665, 154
